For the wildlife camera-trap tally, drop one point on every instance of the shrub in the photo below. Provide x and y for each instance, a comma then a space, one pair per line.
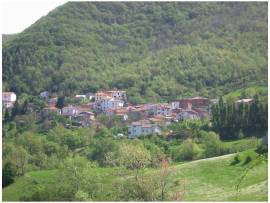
212, 144
188, 150
9, 173
247, 160
236, 160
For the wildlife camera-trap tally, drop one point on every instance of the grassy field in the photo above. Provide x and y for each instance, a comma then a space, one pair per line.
242, 144
212, 179
250, 91
215, 179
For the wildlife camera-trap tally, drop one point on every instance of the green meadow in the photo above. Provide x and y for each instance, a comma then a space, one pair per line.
212, 179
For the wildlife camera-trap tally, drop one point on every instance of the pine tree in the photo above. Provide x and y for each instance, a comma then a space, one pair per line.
60, 102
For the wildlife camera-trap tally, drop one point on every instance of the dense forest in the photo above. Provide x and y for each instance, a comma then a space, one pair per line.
232, 120
156, 51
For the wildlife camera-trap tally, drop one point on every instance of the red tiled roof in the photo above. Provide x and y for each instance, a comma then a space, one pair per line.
51, 108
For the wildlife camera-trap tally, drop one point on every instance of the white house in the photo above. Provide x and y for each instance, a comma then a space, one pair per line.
109, 103
163, 110
159, 109
80, 96
44, 95
90, 95
52, 101
100, 95
116, 94
142, 128
8, 98
175, 105
70, 111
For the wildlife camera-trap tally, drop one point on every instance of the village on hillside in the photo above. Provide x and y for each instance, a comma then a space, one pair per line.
142, 119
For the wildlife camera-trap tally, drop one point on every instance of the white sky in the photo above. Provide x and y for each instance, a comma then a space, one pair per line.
18, 15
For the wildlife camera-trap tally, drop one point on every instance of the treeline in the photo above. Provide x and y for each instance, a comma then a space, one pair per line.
233, 120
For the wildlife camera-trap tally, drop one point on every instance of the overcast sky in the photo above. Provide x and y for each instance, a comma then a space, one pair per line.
17, 15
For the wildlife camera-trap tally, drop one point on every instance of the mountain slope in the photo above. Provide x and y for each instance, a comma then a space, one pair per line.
6, 37
157, 51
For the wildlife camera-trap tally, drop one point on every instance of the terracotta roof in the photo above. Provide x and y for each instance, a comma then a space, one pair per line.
101, 94
120, 114
121, 110
70, 106
85, 106
51, 108
140, 122
190, 111
109, 110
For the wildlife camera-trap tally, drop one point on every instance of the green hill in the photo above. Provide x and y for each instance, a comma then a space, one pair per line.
157, 51
212, 179
6, 37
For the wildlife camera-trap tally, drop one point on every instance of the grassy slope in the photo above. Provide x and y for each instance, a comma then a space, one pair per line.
215, 180
25, 185
243, 144
250, 92
210, 179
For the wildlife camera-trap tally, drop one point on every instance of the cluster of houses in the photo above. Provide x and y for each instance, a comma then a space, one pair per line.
154, 116
142, 119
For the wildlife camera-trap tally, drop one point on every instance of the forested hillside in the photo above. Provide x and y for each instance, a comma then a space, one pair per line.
156, 51
6, 37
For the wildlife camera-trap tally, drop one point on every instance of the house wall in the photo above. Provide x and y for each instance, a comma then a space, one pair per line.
134, 131
9, 97
175, 105
110, 104
139, 130
69, 111
186, 115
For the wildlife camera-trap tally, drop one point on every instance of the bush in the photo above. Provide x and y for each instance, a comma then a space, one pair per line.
212, 144
262, 149
247, 160
9, 173
187, 151
236, 160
